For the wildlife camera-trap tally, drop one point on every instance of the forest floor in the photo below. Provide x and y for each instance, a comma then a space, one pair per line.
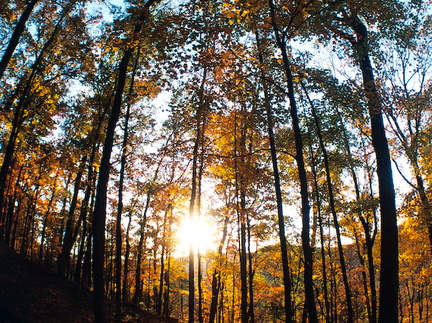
31, 294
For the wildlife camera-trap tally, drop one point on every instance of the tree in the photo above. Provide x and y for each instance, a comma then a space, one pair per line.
99, 214
305, 208
389, 233
16, 35
347, 24
282, 235
406, 73
198, 111
332, 207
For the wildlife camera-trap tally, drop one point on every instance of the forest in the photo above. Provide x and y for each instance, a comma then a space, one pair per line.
222, 161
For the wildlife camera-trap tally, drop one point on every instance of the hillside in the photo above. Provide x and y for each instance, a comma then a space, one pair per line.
29, 293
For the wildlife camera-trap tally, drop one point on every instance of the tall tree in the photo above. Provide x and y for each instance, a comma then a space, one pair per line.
99, 214
289, 315
332, 207
389, 233
305, 207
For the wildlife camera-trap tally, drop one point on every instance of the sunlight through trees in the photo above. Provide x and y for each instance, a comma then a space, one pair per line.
222, 160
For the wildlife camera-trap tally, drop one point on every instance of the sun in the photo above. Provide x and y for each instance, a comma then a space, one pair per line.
197, 232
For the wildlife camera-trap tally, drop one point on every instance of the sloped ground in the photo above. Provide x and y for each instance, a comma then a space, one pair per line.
30, 294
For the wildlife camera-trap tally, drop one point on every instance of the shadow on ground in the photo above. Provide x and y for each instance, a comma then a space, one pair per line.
31, 294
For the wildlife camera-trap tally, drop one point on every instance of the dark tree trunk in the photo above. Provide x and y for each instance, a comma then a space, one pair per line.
251, 276
68, 239
243, 257
160, 291
239, 169
82, 222
191, 296
369, 236
45, 220
118, 263
305, 208
200, 289
164, 287
119, 243
8, 155
29, 220
125, 288
166, 303
289, 313
138, 285
216, 280
118, 231
10, 214
81, 274
329, 182
200, 175
81, 254
194, 205
99, 215
389, 267
16, 35
87, 263
321, 233
80, 280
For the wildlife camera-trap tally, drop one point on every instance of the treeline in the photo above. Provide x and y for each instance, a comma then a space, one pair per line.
300, 129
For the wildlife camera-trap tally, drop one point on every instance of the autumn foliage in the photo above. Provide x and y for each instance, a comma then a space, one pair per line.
298, 131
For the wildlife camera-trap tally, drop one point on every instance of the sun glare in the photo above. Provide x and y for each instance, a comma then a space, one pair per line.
198, 233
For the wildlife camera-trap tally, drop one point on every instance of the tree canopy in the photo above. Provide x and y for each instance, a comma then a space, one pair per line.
293, 138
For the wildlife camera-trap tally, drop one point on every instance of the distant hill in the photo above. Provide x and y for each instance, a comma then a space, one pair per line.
31, 294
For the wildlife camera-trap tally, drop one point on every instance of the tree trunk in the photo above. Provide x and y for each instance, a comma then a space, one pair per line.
138, 285
200, 175
166, 303
327, 312
16, 35
369, 236
160, 292
101, 194
389, 267
68, 239
348, 297
195, 194
239, 169
118, 262
99, 215
125, 288
251, 276
289, 314
45, 220
10, 214
7, 158
83, 220
118, 228
151, 190
305, 208
216, 280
